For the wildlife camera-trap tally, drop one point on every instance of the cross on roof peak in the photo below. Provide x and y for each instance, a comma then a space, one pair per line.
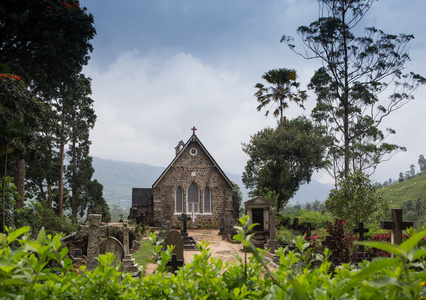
193, 129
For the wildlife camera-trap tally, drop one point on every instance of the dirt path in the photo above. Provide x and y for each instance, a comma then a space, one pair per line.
218, 248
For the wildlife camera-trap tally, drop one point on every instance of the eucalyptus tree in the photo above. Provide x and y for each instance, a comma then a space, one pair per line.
356, 71
282, 87
81, 119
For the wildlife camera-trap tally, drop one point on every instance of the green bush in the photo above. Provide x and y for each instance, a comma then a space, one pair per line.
24, 274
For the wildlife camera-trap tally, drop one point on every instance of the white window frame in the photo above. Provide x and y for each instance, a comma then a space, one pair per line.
187, 199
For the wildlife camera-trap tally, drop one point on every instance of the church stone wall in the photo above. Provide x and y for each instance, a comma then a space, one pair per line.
186, 170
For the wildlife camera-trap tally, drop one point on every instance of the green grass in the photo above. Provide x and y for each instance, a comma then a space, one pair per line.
145, 252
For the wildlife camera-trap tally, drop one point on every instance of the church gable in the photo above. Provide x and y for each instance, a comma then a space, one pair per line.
193, 182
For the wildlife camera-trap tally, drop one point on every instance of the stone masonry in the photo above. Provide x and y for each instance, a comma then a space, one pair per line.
188, 168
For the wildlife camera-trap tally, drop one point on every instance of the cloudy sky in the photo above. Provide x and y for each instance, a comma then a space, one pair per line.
162, 66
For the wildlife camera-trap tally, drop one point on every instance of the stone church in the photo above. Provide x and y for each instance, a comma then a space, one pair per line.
193, 183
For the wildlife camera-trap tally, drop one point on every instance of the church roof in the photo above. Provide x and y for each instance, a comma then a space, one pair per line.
141, 196
194, 138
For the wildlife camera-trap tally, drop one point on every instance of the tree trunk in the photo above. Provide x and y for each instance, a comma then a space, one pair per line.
20, 182
74, 189
61, 166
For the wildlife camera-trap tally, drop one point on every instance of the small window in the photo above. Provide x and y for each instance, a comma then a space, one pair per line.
193, 151
207, 201
179, 201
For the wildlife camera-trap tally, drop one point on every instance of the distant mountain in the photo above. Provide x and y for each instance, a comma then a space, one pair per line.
119, 177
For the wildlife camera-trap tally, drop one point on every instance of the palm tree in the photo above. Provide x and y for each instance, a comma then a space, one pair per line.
283, 86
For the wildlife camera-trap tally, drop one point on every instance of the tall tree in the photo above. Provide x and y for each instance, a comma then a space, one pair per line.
356, 70
282, 159
283, 87
355, 200
422, 162
45, 42
19, 116
76, 118
81, 120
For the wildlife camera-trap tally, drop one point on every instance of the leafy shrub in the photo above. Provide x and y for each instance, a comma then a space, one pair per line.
343, 249
24, 274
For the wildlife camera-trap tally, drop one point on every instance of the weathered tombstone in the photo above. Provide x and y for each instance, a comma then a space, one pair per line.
168, 226
361, 230
272, 242
174, 238
129, 264
94, 231
112, 245
184, 218
308, 230
229, 226
296, 227
396, 226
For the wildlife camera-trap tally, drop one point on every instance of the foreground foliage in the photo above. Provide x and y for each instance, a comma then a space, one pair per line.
39, 269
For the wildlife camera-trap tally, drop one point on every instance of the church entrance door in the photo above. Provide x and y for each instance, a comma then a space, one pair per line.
258, 218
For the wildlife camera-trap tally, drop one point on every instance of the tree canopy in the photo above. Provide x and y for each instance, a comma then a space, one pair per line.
45, 42
283, 87
283, 158
356, 72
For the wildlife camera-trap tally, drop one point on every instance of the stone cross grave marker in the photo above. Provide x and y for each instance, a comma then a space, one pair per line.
308, 230
296, 227
174, 238
94, 231
361, 230
396, 226
129, 264
272, 243
184, 218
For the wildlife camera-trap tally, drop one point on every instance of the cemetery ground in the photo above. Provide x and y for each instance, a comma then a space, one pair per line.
220, 249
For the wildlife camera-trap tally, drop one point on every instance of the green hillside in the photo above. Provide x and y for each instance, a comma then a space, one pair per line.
410, 195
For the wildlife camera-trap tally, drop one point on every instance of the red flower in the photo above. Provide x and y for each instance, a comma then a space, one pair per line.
85, 8
49, 7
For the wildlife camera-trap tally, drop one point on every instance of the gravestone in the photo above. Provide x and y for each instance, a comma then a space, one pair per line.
129, 264
361, 230
272, 242
188, 241
228, 226
168, 226
112, 245
308, 229
174, 238
296, 227
396, 226
94, 231
184, 218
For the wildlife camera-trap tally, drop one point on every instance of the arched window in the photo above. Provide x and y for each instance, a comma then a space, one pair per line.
207, 205
179, 201
193, 199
